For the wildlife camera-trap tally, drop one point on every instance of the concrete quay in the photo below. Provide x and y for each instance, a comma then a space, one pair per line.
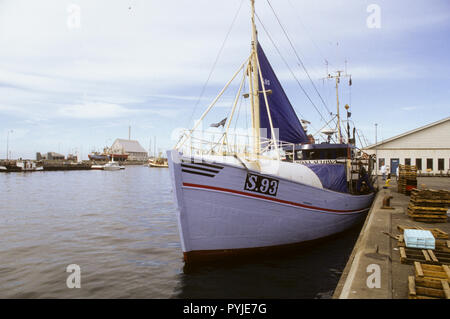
377, 252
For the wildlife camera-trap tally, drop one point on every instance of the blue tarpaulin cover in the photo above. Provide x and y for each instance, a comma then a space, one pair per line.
332, 176
283, 115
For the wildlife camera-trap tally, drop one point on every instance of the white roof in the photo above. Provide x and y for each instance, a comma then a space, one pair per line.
407, 133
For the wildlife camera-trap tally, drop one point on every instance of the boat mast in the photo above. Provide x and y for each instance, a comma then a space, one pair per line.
338, 79
253, 68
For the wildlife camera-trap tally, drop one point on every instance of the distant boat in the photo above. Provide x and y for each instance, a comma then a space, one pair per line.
159, 162
98, 157
28, 166
112, 166
3, 168
151, 164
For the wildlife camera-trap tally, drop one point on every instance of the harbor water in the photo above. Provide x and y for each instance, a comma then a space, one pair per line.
120, 228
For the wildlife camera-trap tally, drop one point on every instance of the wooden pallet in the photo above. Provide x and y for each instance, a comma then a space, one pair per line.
430, 281
440, 244
429, 202
431, 272
430, 194
428, 217
420, 290
427, 256
427, 209
407, 178
429, 205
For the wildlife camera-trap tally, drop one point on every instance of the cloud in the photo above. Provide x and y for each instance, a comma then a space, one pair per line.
409, 108
94, 110
150, 62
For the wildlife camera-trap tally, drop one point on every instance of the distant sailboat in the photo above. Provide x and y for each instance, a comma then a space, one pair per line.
157, 161
263, 192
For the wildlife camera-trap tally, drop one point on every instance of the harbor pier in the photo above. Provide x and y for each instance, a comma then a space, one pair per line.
374, 269
58, 165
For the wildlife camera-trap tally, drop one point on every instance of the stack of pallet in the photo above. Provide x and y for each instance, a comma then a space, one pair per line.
429, 281
407, 179
429, 206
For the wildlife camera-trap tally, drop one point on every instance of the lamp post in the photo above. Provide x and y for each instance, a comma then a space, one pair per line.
376, 154
7, 144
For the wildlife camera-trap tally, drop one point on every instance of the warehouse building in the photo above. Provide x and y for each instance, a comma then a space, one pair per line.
51, 156
131, 147
427, 147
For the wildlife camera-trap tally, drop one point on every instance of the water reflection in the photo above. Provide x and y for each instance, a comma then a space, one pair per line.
300, 272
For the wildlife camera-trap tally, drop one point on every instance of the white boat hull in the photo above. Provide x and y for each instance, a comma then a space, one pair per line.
111, 168
216, 213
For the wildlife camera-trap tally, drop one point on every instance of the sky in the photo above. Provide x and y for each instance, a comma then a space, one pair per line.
74, 75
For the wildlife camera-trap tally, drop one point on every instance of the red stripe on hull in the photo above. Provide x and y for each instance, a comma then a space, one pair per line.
226, 190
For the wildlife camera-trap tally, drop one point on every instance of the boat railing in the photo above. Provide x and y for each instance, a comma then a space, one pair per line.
200, 143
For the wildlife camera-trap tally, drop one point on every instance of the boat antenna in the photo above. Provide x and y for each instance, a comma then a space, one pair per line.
337, 76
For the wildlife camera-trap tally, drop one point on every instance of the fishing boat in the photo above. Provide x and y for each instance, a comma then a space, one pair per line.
269, 189
95, 156
158, 162
158, 165
28, 166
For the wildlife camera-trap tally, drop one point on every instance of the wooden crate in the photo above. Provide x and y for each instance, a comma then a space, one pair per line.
429, 281
427, 256
429, 205
428, 214
407, 179
431, 194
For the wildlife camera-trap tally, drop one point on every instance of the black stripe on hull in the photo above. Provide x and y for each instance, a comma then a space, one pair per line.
197, 173
203, 164
200, 168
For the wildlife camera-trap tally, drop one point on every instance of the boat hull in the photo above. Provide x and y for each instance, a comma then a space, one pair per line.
217, 215
111, 168
158, 165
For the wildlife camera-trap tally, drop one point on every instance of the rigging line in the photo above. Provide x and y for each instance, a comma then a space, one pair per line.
308, 33
292, 73
240, 102
298, 57
216, 60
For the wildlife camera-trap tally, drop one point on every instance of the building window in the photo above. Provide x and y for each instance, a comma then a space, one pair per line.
380, 162
440, 164
419, 163
407, 161
430, 163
